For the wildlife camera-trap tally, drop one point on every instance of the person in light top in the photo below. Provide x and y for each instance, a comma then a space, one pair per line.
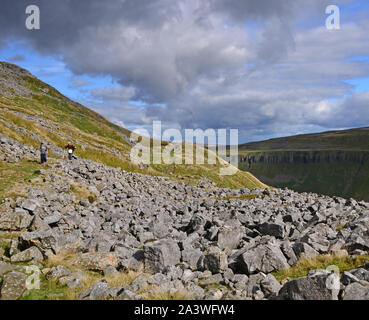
70, 148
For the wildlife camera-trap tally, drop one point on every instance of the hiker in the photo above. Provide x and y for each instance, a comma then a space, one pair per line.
71, 149
43, 151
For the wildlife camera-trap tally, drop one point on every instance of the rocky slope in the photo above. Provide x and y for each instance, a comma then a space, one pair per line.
179, 240
32, 111
332, 163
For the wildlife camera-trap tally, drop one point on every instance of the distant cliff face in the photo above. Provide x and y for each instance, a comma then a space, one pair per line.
331, 172
306, 157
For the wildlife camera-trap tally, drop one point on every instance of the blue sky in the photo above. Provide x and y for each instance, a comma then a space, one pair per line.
300, 77
53, 71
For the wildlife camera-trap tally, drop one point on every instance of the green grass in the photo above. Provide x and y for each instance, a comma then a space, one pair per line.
352, 139
320, 262
241, 197
49, 290
13, 174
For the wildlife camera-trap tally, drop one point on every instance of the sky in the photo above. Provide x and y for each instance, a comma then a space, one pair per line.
268, 68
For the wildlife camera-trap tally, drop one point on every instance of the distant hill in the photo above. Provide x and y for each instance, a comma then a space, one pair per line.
32, 111
352, 139
332, 163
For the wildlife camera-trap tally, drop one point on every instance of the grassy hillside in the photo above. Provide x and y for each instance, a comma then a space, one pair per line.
353, 139
31, 110
332, 163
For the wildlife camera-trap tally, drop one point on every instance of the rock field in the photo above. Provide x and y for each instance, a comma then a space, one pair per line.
210, 243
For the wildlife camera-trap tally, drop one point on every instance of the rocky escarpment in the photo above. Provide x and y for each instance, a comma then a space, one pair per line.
284, 157
206, 242
340, 173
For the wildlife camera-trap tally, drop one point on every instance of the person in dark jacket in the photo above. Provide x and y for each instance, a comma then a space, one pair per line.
70, 147
43, 151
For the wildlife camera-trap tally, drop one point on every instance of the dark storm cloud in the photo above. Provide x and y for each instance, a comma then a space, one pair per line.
204, 60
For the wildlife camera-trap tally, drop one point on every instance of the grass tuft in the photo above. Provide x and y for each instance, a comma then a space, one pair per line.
320, 262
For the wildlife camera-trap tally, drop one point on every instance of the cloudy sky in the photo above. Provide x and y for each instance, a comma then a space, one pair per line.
269, 68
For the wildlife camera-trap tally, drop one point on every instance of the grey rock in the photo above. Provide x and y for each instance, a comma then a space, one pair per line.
109, 271
303, 250
161, 254
6, 267
229, 237
128, 295
272, 229
215, 262
191, 256
99, 291
13, 286
157, 279
188, 276
97, 261
262, 258
140, 283
270, 286
15, 221
30, 205
357, 291
30, 254
53, 218
319, 287
361, 274
58, 272
289, 253
173, 272
348, 278
73, 280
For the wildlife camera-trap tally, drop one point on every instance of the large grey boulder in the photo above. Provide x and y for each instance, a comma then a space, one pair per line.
53, 218
229, 237
191, 256
98, 291
30, 254
323, 285
317, 241
262, 258
272, 229
270, 286
30, 205
287, 249
161, 254
6, 267
361, 274
15, 221
348, 278
97, 261
58, 272
357, 291
304, 251
215, 262
14, 286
